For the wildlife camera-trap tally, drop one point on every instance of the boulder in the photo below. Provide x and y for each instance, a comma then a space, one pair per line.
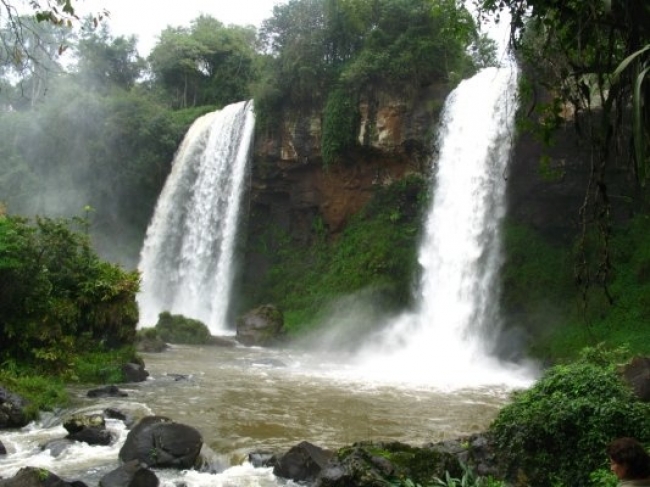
106, 391
12, 410
370, 464
37, 477
78, 422
90, 428
131, 474
159, 442
134, 372
261, 326
637, 375
3, 449
302, 462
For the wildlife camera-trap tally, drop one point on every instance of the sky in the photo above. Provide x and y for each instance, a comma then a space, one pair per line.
147, 18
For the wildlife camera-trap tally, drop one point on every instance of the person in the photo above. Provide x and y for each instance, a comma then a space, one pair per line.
630, 462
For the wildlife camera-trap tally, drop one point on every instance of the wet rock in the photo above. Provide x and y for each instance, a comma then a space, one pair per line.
3, 450
131, 474
302, 462
12, 410
261, 326
90, 428
79, 422
38, 477
159, 442
134, 372
370, 464
637, 375
93, 436
107, 391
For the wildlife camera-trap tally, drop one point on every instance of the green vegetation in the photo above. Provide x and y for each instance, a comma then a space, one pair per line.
555, 433
340, 125
64, 314
375, 252
540, 294
179, 329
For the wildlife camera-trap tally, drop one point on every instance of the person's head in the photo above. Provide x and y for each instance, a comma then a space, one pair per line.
629, 460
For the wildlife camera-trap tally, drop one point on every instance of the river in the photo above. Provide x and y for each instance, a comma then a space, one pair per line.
253, 399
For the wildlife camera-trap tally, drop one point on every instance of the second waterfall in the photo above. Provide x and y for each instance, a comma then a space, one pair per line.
187, 257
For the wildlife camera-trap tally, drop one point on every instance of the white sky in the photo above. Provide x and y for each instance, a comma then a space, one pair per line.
147, 18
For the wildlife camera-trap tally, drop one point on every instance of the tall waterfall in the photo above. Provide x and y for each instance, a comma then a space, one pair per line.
449, 337
187, 258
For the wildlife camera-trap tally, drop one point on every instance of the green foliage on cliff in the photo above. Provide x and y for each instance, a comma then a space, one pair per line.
386, 46
57, 299
376, 252
556, 432
540, 294
340, 126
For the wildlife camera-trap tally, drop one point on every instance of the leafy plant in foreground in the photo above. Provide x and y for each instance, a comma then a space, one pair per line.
556, 432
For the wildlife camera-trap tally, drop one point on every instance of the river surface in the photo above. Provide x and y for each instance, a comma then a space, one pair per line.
252, 399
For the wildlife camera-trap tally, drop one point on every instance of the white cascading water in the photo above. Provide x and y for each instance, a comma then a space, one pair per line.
187, 258
448, 339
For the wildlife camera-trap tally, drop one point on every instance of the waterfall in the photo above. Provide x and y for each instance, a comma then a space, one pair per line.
187, 258
449, 337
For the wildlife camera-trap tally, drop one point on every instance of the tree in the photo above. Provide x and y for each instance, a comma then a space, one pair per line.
55, 293
572, 49
104, 61
208, 63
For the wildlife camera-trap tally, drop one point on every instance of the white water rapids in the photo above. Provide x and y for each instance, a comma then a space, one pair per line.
187, 258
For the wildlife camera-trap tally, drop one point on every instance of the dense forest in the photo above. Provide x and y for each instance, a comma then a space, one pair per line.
90, 128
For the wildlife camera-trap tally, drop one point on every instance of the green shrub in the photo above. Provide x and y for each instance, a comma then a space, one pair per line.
556, 432
57, 298
41, 393
179, 329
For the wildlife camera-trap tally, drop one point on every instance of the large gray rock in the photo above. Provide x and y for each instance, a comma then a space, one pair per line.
131, 474
377, 464
261, 326
157, 441
37, 477
302, 462
12, 410
134, 372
